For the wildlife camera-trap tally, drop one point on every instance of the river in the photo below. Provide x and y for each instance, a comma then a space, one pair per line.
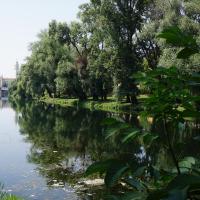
45, 149
18, 175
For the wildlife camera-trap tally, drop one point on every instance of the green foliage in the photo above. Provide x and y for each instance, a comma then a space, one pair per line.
128, 132
170, 102
92, 58
171, 96
5, 196
114, 169
99, 167
11, 197
176, 37
113, 40
162, 15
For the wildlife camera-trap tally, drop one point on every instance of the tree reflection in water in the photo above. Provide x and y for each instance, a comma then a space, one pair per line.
65, 141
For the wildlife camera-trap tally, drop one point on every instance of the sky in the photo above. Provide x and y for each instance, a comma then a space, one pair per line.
22, 20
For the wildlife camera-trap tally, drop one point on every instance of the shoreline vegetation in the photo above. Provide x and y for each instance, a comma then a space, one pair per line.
110, 105
5, 196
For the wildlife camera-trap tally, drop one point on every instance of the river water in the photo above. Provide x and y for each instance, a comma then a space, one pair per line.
45, 149
18, 175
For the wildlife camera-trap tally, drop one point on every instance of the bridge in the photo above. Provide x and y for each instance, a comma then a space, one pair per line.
4, 86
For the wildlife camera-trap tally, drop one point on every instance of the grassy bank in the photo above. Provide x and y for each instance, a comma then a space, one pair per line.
109, 105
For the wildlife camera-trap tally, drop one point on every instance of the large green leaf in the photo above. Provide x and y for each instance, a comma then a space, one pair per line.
157, 195
117, 129
134, 196
139, 171
187, 52
99, 167
187, 163
109, 121
148, 138
113, 169
177, 194
114, 173
176, 37
137, 184
191, 113
112, 197
174, 194
130, 136
184, 180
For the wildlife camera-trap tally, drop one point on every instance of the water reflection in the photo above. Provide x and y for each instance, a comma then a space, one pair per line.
65, 141
4, 103
18, 176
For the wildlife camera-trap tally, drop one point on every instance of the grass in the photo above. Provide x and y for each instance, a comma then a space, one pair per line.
5, 196
110, 105
11, 197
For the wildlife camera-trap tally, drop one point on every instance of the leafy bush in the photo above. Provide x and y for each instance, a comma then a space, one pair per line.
170, 103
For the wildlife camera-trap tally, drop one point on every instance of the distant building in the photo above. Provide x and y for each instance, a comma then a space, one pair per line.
17, 68
4, 86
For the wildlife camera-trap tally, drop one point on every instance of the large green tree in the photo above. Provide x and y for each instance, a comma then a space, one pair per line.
114, 24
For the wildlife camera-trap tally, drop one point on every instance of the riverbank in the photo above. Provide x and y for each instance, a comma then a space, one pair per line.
110, 105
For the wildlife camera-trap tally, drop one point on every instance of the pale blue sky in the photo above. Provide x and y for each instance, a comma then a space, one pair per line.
22, 20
